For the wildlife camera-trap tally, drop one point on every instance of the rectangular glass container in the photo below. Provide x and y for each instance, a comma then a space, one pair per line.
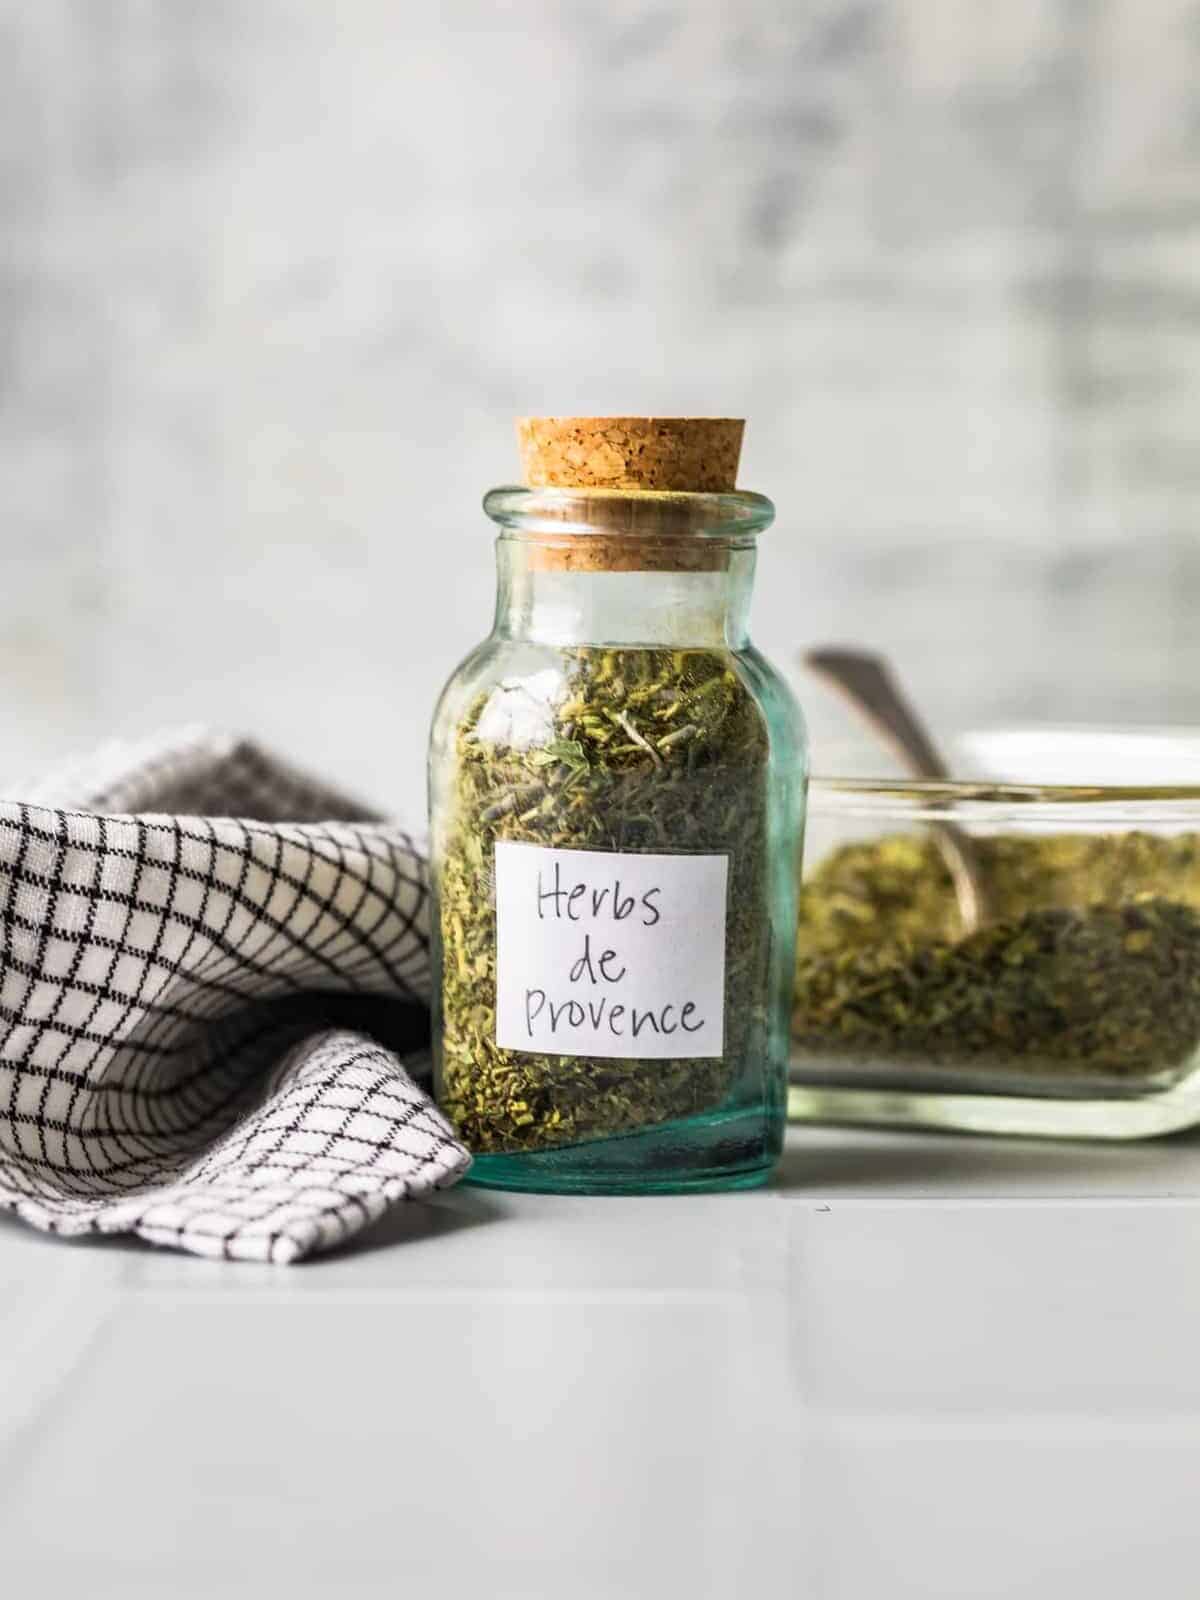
1073, 1009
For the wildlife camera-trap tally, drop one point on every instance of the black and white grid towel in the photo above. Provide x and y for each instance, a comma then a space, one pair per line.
212, 1031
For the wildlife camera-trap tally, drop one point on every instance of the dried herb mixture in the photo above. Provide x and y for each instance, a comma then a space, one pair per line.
1091, 963
607, 749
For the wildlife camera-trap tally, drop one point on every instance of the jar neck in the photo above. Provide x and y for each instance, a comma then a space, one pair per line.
578, 568
680, 609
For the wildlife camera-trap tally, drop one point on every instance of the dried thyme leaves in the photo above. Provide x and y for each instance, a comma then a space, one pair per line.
610, 749
1090, 965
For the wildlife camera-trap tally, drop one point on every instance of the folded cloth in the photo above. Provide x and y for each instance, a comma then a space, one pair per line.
212, 1031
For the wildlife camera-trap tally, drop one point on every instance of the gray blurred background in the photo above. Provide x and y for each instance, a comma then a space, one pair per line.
275, 275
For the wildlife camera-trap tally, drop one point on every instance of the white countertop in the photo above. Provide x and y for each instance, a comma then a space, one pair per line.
912, 1367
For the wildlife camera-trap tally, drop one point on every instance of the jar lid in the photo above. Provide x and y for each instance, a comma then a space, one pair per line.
697, 455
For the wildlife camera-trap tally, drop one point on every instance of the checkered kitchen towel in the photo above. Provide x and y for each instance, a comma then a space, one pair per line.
211, 1030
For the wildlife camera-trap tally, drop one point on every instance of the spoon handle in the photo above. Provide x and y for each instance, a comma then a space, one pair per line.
868, 683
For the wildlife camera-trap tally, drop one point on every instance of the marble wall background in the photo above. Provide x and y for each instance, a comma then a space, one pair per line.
275, 275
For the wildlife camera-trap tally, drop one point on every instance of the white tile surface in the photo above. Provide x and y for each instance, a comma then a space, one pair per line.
913, 1367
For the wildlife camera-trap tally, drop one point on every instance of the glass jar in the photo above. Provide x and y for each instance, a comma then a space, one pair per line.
1072, 1008
617, 784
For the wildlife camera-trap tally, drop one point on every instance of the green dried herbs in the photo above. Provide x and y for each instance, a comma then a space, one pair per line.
1091, 964
631, 750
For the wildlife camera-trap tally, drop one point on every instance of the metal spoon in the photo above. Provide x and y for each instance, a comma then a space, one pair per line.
867, 682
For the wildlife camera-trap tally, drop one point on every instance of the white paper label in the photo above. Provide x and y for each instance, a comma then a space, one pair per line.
602, 953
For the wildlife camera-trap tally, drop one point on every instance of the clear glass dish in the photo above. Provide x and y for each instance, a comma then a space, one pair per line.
1073, 1009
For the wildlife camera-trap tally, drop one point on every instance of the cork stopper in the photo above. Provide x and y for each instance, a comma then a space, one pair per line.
634, 476
696, 455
